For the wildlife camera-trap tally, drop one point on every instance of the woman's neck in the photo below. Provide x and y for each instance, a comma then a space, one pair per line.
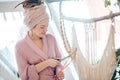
33, 36
37, 40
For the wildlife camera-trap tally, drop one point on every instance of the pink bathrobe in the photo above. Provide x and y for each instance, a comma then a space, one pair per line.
28, 54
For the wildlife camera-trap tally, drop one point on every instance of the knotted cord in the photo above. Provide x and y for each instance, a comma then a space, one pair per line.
66, 44
92, 36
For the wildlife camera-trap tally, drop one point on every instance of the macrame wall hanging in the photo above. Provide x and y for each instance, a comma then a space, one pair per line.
89, 67
90, 40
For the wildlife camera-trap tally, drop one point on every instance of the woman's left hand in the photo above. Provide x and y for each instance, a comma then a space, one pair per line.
60, 75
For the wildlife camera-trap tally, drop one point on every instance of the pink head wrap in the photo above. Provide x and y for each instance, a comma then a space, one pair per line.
35, 15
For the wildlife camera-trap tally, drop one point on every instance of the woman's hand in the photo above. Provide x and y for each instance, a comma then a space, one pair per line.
60, 75
52, 62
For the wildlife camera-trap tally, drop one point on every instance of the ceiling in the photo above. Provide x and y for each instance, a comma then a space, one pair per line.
8, 5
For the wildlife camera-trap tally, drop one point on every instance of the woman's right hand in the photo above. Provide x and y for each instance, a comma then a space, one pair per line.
52, 62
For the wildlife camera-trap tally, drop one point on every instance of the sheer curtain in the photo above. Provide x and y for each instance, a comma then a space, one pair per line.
11, 24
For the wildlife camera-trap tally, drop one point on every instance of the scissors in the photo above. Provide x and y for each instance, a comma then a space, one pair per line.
70, 55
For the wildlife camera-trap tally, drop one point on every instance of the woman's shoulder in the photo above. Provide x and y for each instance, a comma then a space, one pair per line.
50, 36
19, 43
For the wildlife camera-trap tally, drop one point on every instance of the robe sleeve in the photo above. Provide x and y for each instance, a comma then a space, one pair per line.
26, 71
58, 54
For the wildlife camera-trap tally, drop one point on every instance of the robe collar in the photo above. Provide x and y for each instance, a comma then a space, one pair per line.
34, 47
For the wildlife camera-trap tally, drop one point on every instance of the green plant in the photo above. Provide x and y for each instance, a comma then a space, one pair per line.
116, 75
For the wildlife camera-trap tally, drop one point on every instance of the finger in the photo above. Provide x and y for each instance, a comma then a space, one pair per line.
74, 51
61, 75
58, 62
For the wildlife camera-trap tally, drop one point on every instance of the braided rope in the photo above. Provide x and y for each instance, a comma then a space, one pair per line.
66, 44
64, 37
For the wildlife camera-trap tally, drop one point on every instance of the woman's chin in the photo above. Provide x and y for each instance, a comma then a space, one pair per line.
41, 36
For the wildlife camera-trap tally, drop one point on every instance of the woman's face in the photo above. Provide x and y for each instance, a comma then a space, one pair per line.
40, 29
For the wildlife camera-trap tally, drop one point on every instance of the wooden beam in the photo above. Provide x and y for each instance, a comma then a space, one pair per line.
106, 17
50, 1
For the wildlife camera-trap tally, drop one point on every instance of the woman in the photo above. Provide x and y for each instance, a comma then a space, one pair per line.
36, 54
